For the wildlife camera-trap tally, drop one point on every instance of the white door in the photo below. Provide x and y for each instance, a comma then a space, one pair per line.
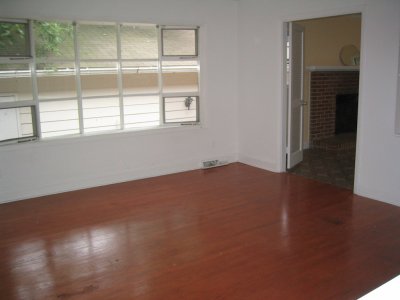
295, 95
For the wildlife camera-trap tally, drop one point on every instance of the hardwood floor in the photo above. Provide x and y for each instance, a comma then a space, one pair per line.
234, 232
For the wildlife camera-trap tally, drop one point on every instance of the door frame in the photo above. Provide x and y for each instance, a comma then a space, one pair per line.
284, 90
294, 158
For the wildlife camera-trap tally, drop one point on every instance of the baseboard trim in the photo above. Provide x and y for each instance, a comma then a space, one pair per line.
262, 164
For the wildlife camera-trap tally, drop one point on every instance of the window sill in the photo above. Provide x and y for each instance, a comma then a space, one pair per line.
109, 135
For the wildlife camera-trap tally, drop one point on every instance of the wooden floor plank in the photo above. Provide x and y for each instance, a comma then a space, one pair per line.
234, 232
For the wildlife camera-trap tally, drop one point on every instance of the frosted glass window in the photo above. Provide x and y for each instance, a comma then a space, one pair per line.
16, 123
139, 42
16, 81
97, 41
181, 109
58, 118
93, 76
99, 79
101, 114
141, 111
179, 42
140, 77
56, 80
180, 76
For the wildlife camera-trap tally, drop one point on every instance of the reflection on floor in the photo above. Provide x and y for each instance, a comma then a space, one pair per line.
332, 162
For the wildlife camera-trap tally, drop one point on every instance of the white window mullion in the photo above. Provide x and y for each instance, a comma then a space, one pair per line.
34, 80
119, 78
78, 76
160, 77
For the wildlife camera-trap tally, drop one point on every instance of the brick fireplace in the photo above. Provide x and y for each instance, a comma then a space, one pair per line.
324, 87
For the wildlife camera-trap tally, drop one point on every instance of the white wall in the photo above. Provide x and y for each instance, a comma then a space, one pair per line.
378, 163
262, 121
46, 167
260, 72
256, 134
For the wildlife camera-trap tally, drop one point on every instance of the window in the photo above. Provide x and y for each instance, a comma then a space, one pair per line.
181, 109
179, 42
17, 123
14, 39
180, 75
72, 78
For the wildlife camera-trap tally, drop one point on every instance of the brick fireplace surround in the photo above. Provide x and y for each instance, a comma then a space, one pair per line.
324, 86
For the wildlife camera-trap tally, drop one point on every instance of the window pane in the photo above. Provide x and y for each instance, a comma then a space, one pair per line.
54, 39
56, 80
99, 79
15, 81
141, 111
181, 109
14, 39
97, 41
139, 42
59, 118
179, 42
180, 76
140, 77
16, 123
101, 114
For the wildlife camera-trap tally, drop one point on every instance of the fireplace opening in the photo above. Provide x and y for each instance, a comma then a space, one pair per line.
346, 113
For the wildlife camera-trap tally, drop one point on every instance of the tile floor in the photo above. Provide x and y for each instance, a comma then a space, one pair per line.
333, 167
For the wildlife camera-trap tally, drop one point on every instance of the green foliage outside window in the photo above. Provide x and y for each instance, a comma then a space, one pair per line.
50, 36
14, 38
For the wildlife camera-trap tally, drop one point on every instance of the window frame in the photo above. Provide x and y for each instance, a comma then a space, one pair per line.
36, 101
167, 58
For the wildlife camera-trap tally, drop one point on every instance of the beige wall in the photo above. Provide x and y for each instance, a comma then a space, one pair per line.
324, 39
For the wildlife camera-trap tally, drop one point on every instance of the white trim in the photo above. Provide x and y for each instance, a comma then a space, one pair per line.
325, 13
258, 163
78, 76
35, 90
180, 94
357, 168
56, 99
16, 104
397, 113
141, 94
332, 68
282, 145
356, 9
119, 80
180, 58
111, 134
160, 77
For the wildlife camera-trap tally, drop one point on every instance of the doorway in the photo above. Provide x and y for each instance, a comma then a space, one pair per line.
329, 100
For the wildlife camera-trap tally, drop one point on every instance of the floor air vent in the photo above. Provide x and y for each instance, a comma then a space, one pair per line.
213, 163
